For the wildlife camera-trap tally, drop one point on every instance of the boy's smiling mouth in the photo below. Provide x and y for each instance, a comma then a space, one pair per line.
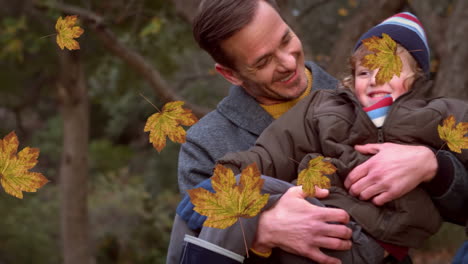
378, 94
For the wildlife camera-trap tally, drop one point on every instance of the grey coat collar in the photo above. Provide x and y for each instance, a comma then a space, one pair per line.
244, 111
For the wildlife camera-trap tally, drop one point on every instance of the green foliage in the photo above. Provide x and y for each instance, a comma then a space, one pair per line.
108, 157
159, 171
16, 38
174, 37
130, 226
30, 226
49, 140
10, 34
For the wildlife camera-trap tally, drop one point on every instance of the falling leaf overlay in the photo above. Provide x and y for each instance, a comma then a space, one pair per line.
454, 135
14, 175
314, 175
230, 200
67, 31
384, 58
168, 123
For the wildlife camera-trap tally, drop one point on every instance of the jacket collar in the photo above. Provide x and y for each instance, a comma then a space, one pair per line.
244, 111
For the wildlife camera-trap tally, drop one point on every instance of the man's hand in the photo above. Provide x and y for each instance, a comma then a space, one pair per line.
301, 228
392, 172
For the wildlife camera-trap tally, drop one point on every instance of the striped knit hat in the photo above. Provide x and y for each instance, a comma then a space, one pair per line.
406, 29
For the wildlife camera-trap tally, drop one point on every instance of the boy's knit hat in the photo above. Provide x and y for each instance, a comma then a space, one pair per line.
406, 29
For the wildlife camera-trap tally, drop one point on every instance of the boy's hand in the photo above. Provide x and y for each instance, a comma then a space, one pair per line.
392, 172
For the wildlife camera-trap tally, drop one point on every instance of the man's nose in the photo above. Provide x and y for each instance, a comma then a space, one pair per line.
286, 61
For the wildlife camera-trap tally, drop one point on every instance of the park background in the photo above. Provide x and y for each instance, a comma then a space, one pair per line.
111, 196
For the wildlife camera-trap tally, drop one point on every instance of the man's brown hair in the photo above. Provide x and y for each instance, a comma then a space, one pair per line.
218, 20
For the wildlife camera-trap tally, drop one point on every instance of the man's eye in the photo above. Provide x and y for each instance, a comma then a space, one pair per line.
287, 39
261, 64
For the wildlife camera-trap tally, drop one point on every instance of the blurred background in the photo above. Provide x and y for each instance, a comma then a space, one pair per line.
111, 197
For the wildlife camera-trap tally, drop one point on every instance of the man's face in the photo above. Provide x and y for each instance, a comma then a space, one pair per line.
368, 92
268, 58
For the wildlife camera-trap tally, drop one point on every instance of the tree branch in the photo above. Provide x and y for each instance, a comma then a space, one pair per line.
131, 57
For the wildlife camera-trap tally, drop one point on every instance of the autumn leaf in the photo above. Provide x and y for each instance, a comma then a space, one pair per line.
343, 12
313, 175
230, 200
454, 135
153, 27
168, 123
67, 31
384, 58
14, 175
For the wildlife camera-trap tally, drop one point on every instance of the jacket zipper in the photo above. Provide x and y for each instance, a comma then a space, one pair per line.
380, 135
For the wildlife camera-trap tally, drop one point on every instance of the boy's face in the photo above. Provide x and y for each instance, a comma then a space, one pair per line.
369, 93
268, 58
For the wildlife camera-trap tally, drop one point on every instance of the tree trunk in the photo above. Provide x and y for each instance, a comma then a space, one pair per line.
370, 14
74, 106
452, 77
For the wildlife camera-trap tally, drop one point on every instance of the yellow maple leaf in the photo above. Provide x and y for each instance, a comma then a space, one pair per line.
15, 176
168, 123
454, 135
313, 175
343, 11
384, 58
67, 31
230, 200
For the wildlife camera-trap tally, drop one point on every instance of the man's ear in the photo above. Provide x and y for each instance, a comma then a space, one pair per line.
229, 74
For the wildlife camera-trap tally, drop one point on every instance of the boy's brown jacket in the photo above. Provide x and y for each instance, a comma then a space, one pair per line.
330, 123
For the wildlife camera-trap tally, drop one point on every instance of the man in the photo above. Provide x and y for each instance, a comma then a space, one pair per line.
260, 55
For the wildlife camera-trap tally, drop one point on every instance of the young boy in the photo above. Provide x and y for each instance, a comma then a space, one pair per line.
331, 123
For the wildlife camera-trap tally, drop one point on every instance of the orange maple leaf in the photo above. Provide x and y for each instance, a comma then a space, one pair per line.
454, 135
67, 31
14, 175
313, 175
168, 123
384, 58
230, 200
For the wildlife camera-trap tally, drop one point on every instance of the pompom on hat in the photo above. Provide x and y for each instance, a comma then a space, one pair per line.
406, 29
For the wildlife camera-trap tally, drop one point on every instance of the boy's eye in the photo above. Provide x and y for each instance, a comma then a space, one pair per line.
362, 73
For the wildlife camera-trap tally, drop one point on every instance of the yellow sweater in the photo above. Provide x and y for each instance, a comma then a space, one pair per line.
277, 110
